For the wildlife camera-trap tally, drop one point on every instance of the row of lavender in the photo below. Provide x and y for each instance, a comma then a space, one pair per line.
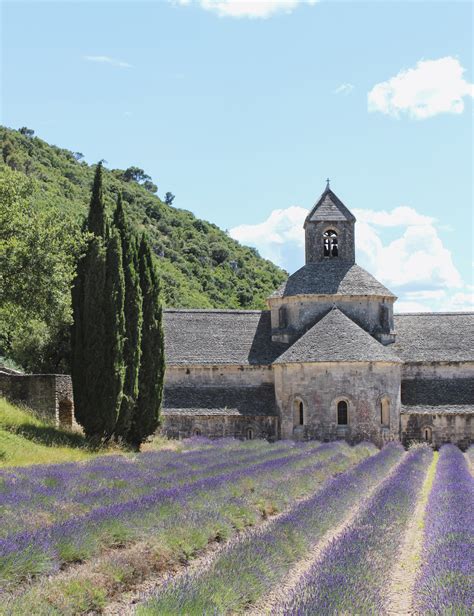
58, 491
210, 502
445, 584
252, 566
353, 574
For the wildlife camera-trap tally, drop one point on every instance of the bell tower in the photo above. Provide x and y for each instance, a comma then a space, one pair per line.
329, 231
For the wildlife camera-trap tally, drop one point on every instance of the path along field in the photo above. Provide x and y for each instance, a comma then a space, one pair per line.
77, 537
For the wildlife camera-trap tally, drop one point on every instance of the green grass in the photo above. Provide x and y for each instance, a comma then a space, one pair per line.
26, 439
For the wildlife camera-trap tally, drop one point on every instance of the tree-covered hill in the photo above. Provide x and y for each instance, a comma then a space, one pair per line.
200, 265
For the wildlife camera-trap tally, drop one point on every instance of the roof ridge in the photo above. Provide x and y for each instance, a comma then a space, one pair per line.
213, 310
427, 314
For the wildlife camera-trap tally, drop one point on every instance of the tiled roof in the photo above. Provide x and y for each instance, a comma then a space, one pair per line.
244, 338
219, 337
259, 400
336, 338
435, 391
331, 277
434, 336
329, 207
442, 409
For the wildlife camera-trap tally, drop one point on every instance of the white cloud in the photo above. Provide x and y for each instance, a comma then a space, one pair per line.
402, 215
344, 88
432, 87
279, 238
415, 265
247, 8
108, 60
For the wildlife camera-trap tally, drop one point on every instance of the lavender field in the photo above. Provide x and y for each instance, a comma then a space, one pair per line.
226, 527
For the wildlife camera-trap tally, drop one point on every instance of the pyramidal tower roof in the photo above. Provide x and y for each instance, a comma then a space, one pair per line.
336, 338
330, 208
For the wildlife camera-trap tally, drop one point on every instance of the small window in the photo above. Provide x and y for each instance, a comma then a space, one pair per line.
342, 413
282, 318
197, 432
427, 434
249, 434
298, 412
385, 412
330, 246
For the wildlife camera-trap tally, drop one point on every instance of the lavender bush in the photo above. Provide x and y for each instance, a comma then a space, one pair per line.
109, 502
251, 566
445, 583
352, 574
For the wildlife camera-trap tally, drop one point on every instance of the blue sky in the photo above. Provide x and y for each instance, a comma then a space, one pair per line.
242, 109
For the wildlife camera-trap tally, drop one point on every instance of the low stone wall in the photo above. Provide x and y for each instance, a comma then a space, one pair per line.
438, 429
50, 395
184, 425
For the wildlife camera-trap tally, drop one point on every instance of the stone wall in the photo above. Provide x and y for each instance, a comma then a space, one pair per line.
373, 314
50, 395
320, 386
438, 428
180, 425
222, 375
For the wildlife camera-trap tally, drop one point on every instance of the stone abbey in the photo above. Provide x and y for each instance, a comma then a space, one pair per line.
328, 360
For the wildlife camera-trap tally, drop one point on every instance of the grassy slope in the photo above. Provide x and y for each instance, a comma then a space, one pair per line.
201, 266
24, 440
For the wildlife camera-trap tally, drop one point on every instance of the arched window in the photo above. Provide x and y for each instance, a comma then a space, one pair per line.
385, 412
298, 412
197, 432
249, 434
330, 247
427, 434
342, 413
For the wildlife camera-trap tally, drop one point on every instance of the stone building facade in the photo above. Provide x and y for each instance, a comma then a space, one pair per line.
328, 360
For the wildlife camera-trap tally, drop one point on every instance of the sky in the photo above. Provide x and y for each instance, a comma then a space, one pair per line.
243, 108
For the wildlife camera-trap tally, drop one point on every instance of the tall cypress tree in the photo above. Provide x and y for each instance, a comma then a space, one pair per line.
98, 329
133, 321
152, 363
113, 337
96, 219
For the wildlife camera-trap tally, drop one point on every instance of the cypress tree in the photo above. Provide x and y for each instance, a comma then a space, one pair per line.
96, 219
98, 329
87, 339
113, 337
133, 321
152, 363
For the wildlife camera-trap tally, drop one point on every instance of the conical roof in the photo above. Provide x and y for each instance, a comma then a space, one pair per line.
336, 338
332, 277
329, 208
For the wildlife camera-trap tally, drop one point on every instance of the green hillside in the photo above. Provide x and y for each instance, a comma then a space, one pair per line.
200, 265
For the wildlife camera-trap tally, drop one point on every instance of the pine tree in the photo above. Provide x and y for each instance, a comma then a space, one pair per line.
152, 363
133, 321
